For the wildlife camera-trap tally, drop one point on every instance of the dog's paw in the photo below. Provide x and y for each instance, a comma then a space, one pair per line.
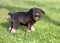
13, 31
32, 28
28, 30
9, 28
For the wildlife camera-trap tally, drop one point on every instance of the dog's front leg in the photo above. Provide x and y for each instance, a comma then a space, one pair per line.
32, 28
29, 27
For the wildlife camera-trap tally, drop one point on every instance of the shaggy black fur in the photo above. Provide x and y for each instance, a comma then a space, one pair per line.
25, 18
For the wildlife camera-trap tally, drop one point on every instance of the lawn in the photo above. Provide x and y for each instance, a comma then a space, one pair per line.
47, 30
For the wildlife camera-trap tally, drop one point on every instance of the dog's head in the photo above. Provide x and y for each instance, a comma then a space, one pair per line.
36, 13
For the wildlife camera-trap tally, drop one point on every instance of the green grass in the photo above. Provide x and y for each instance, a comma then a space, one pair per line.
47, 30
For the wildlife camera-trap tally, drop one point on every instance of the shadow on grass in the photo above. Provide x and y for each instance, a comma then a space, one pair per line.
7, 25
14, 9
46, 18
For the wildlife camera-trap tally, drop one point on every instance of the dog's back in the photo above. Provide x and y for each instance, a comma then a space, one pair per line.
21, 17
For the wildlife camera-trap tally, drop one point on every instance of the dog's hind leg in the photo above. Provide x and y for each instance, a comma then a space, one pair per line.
11, 29
14, 27
11, 24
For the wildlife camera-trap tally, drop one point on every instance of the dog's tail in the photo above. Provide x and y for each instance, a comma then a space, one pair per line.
10, 14
10, 17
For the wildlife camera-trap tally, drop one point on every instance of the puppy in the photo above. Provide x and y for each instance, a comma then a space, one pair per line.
25, 18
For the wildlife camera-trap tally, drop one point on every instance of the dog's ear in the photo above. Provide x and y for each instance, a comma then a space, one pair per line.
42, 11
31, 11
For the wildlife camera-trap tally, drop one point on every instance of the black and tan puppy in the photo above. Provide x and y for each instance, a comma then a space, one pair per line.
25, 18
